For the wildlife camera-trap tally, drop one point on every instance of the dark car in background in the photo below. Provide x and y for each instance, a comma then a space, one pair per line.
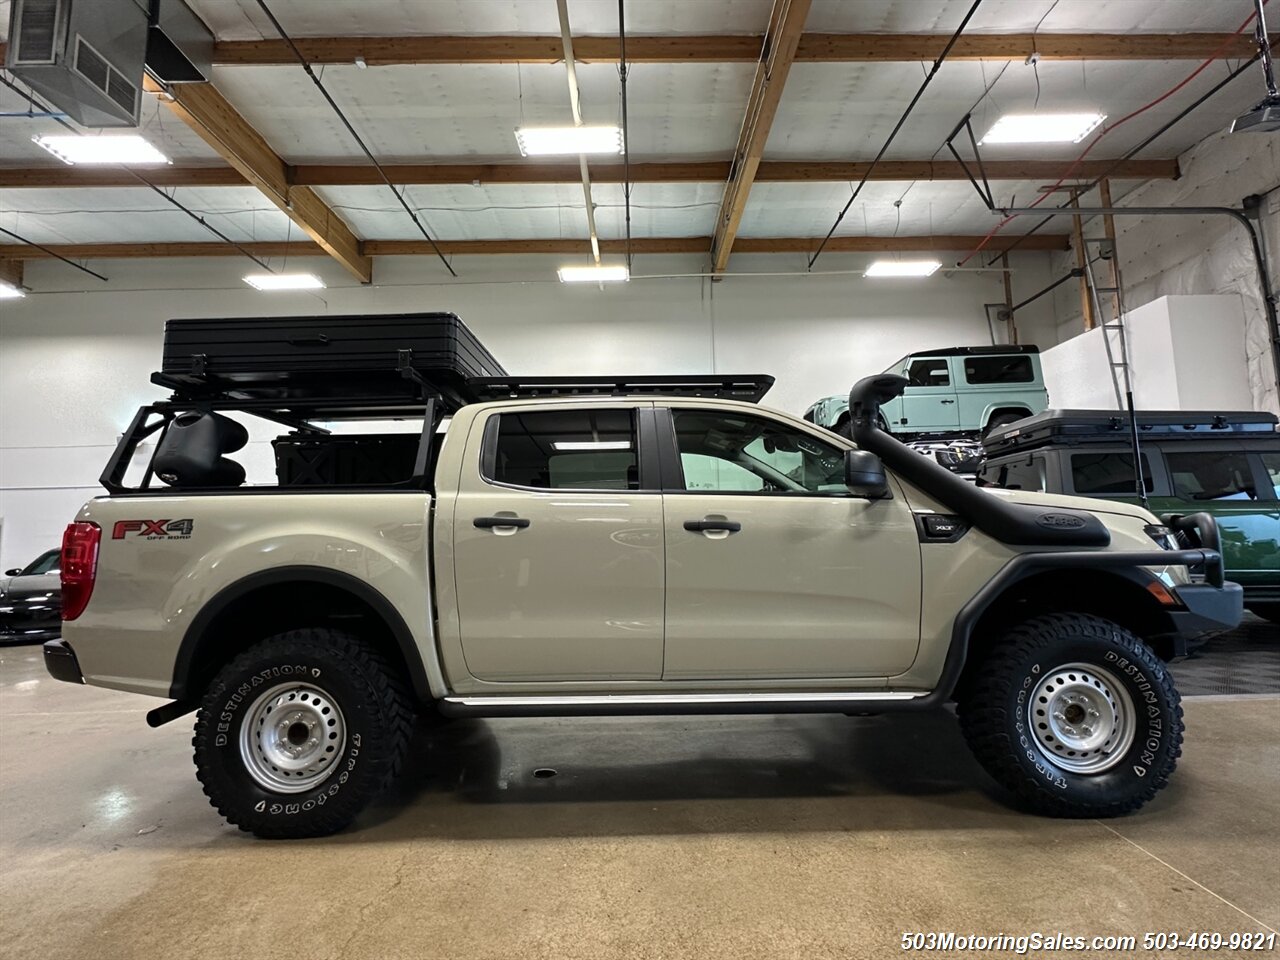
1223, 464
31, 601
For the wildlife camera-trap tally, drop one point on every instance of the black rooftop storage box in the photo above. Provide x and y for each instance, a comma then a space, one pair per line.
322, 355
1054, 427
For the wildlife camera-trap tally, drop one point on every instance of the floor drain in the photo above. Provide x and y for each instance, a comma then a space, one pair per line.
543, 773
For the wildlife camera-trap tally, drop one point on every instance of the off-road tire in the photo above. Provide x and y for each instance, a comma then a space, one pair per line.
996, 720
376, 718
1001, 420
1267, 611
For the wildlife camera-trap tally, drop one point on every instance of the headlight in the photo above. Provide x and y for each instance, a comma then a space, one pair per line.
1162, 535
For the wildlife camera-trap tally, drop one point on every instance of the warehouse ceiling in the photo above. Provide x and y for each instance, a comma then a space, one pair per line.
445, 127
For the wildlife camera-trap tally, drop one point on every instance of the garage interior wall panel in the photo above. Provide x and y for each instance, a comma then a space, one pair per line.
1161, 256
75, 360
1186, 353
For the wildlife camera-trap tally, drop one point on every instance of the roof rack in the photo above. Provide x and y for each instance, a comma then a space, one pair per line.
1066, 427
746, 387
999, 349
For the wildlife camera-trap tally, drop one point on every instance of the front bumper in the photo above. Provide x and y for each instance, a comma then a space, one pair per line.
1208, 609
60, 660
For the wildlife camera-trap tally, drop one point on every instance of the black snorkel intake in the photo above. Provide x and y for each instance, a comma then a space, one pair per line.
1012, 523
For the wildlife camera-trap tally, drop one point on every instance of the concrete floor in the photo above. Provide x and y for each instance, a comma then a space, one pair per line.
735, 837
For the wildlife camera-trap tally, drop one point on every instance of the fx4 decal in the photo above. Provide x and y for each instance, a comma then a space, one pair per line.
153, 529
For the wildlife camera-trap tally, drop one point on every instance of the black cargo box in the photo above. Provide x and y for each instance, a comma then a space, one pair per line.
1064, 427
345, 460
335, 356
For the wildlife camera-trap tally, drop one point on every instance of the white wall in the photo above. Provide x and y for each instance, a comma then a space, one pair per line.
1166, 255
75, 357
1186, 353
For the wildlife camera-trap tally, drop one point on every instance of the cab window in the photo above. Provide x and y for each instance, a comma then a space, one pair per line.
1271, 462
1025, 475
928, 373
1211, 476
564, 450
1107, 474
739, 453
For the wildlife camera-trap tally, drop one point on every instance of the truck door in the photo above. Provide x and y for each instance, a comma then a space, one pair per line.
558, 546
929, 401
773, 570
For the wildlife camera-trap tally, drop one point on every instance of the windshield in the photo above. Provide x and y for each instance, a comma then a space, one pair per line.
897, 366
45, 563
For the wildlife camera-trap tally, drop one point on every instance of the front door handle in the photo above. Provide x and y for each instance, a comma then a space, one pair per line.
946, 401
488, 523
703, 526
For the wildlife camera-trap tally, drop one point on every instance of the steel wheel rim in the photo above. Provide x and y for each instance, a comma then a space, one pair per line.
1082, 717
292, 737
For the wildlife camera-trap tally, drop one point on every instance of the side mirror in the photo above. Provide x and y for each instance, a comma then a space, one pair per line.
864, 475
14, 572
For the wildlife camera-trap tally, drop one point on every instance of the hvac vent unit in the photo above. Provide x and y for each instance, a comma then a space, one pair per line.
87, 56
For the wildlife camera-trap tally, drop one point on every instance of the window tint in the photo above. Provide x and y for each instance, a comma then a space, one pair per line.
566, 450
1211, 476
928, 373
1272, 463
1015, 369
1107, 474
45, 563
742, 453
1024, 475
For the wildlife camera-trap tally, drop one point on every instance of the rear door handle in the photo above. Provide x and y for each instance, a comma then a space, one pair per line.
488, 523
702, 526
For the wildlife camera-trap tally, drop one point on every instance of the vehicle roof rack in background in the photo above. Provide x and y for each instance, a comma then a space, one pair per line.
999, 348
746, 387
1065, 427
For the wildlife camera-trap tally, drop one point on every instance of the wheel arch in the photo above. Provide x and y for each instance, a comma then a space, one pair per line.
996, 409
272, 601
1034, 584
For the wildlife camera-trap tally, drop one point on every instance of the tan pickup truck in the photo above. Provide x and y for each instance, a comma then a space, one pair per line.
578, 547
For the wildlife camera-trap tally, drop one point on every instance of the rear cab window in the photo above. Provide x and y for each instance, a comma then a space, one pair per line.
563, 450
1107, 474
1211, 475
1001, 369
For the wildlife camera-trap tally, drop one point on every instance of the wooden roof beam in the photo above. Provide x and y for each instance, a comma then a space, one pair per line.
220, 125
786, 23
640, 245
813, 48
769, 171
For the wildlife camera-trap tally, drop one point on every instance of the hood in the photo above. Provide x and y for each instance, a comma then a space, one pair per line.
1090, 504
36, 584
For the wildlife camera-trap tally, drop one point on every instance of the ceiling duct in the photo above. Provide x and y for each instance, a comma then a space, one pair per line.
87, 57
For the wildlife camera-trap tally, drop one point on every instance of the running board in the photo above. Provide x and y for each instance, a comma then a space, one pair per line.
639, 704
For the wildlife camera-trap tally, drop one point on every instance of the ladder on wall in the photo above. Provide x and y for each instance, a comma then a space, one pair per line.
1117, 351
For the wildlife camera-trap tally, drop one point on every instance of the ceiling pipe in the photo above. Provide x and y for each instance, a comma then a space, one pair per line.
575, 104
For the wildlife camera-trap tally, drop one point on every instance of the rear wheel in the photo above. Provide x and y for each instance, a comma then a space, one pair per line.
1001, 420
1075, 715
297, 734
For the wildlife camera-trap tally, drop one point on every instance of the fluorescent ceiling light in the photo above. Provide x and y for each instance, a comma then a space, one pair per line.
284, 281
9, 292
593, 274
1043, 127
902, 268
592, 444
546, 141
108, 149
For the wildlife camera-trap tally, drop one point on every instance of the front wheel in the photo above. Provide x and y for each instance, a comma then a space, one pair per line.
297, 734
1075, 715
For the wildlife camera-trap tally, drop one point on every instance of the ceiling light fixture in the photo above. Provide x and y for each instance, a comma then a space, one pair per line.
284, 281
9, 291
565, 445
551, 141
110, 149
902, 268
1043, 128
597, 273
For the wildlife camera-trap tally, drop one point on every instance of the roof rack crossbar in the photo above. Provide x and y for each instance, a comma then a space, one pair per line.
747, 387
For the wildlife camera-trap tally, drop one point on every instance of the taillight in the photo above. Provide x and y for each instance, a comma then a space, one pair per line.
79, 566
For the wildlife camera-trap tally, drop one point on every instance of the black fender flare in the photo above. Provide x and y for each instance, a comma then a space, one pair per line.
179, 688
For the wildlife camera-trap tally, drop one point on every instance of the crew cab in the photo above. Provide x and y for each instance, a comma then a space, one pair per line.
569, 546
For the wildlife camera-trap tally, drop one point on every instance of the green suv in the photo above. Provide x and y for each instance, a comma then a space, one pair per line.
1223, 464
952, 391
